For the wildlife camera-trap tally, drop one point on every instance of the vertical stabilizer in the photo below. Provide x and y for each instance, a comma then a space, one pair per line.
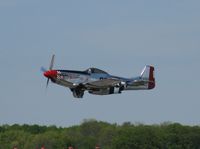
147, 74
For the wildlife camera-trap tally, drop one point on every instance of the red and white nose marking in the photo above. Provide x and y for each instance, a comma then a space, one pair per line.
50, 74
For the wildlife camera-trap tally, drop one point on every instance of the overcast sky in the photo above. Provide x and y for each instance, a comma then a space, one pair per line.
120, 37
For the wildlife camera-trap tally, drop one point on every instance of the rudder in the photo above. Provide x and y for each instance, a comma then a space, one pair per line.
147, 74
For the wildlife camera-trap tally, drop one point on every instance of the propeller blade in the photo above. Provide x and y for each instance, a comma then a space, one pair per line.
47, 83
52, 62
50, 68
43, 69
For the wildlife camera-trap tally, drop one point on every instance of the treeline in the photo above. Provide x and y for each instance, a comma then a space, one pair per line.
107, 136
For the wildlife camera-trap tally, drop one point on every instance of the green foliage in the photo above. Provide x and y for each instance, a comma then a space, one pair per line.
108, 136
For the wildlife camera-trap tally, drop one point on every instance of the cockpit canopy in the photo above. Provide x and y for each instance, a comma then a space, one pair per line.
95, 70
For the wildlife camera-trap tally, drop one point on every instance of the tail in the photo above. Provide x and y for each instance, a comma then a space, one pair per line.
147, 74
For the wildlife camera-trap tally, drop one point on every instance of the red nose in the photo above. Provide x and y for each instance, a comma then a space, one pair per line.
50, 73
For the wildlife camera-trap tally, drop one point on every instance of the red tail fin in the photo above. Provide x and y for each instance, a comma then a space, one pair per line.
152, 82
148, 75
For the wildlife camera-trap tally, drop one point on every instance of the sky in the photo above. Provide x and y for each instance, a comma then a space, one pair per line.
120, 37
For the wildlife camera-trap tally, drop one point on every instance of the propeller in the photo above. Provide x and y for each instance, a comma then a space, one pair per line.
47, 83
50, 68
52, 62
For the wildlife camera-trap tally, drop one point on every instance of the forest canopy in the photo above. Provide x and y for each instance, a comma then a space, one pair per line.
108, 136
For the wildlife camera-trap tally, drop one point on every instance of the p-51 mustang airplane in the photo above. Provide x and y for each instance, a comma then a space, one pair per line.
97, 81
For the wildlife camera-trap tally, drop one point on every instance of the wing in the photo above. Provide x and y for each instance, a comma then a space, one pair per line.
104, 83
64, 83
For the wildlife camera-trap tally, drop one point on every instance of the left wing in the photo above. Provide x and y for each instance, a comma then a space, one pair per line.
104, 83
64, 83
